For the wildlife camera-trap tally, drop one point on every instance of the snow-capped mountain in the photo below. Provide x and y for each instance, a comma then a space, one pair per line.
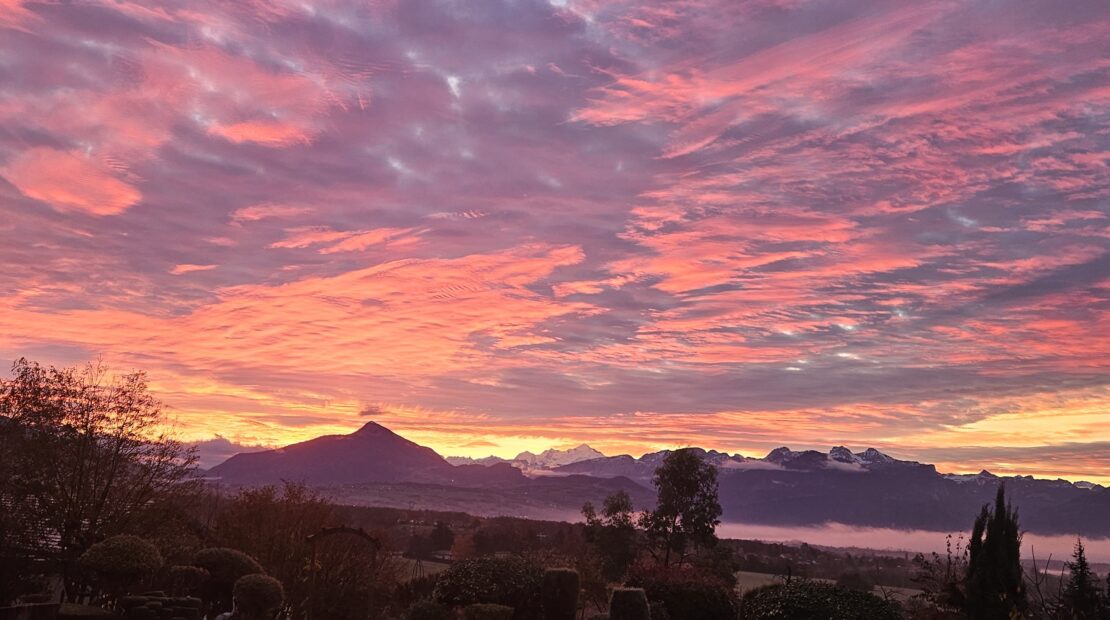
530, 462
554, 458
787, 487
839, 459
466, 460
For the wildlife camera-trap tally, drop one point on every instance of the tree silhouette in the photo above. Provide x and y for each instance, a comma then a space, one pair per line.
687, 511
613, 533
995, 587
442, 537
83, 457
1080, 596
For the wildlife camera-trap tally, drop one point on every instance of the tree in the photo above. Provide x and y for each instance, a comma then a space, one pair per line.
83, 457
274, 525
612, 533
1080, 596
1106, 597
463, 547
442, 537
687, 510
995, 585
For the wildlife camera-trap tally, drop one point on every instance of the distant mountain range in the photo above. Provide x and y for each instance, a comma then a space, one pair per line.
374, 466
535, 463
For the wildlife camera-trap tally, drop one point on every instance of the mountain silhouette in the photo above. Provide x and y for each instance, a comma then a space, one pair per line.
375, 466
373, 453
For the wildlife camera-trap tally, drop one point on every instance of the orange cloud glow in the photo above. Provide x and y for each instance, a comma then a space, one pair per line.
635, 224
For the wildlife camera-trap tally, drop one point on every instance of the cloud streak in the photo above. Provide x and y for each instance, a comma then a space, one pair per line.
636, 224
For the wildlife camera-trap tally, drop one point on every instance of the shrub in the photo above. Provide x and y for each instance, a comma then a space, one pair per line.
258, 596
560, 594
415, 591
854, 580
428, 610
120, 561
154, 606
629, 604
686, 592
74, 610
225, 567
808, 600
487, 611
186, 579
512, 582
659, 611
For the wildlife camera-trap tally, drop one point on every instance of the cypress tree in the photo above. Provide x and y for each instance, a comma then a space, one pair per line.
995, 588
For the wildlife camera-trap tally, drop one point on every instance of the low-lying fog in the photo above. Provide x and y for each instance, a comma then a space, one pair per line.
836, 535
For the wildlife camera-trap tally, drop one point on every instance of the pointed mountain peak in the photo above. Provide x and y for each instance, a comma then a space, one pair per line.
780, 454
871, 455
373, 428
842, 454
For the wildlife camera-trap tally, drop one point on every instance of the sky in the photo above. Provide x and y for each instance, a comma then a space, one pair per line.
497, 225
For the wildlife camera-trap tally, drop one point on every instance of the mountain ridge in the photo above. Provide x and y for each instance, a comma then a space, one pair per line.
787, 487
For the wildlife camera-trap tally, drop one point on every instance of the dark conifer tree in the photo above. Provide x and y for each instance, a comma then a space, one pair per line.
1080, 597
995, 587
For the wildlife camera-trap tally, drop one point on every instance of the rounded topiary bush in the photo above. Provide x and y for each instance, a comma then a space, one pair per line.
560, 594
428, 610
258, 596
186, 579
512, 582
809, 600
686, 592
629, 604
226, 566
122, 560
487, 611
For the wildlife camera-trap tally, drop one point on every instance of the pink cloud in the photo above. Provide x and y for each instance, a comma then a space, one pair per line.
70, 182
186, 268
636, 222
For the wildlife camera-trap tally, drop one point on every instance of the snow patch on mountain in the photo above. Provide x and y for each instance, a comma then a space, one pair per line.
466, 460
740, 463
535, 464
554, 458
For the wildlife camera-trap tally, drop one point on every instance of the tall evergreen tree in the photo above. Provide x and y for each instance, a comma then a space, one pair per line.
1106, 599
995, 587
1080, 597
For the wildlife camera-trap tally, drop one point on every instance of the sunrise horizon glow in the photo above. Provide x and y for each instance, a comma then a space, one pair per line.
499, 226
